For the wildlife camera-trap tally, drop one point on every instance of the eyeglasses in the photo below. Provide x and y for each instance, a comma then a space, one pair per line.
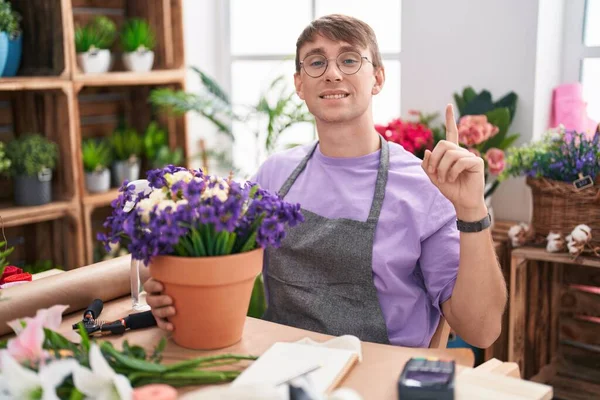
348, 62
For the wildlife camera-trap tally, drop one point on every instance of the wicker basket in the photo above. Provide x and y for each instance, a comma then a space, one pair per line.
559, 207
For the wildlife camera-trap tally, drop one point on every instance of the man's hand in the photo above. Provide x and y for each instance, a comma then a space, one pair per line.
457, 173
162, 305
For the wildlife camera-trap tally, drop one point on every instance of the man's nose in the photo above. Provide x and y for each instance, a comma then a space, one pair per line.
333, 72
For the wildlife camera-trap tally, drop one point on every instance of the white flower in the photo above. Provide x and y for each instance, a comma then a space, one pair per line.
101, 382
555, 242
158, 195
582, 233
166, 203
178, 176
573, 247
141, 185
519, 234
23, 383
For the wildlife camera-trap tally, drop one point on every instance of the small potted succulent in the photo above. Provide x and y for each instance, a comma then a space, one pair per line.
11, 40
138, 42
32, 157
96, 160
93, 42
127, 149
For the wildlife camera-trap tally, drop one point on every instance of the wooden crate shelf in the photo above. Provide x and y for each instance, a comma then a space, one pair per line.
51, 95
164, 16
47, 37
156, 77
14, 216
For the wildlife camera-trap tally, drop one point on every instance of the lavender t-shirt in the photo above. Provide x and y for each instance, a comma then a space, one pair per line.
416, 245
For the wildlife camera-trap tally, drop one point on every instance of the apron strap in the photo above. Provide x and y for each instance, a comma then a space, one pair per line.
380, 183
294, 175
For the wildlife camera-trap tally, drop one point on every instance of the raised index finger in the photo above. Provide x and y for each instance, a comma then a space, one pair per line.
451, 128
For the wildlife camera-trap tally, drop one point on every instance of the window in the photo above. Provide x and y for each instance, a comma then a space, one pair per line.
262, 47
582, 50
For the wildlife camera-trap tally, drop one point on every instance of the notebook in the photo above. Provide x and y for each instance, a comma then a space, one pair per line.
283, 361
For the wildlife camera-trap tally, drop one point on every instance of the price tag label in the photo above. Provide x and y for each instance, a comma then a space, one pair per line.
583, 182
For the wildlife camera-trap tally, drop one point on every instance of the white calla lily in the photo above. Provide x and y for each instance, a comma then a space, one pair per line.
101, 382
23, 383
141, 186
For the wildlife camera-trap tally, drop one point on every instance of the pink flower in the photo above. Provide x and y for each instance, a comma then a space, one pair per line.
49, 318
495, 160
27, 346
475, 129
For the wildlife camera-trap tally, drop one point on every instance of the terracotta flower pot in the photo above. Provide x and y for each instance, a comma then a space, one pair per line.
211, 296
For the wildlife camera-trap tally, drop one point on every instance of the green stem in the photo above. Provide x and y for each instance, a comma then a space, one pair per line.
196, 362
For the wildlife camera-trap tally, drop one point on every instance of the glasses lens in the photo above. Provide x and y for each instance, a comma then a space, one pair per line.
315, 65
349, 62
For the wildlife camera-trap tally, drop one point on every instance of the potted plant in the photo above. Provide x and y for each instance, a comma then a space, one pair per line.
96, 154
4, 160
93, 42
11, 40
127, 149
138, 42
156, 148
203, 238
32, 157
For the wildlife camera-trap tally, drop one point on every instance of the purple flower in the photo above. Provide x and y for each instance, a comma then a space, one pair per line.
197, 215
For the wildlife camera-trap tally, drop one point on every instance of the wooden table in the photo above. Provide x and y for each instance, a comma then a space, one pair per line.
549, 293
374, 378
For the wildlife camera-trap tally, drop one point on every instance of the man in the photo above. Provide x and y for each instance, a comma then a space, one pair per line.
380, 255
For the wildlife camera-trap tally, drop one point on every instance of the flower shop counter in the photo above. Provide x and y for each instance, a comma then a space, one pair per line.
374, 378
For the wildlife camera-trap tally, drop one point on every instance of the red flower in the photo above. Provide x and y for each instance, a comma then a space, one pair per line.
25, 276
9, 271
413, 136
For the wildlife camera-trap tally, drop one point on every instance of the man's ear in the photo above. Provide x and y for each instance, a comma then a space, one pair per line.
298, 84
379, 80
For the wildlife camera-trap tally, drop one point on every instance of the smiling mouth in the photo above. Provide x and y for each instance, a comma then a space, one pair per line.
334, 96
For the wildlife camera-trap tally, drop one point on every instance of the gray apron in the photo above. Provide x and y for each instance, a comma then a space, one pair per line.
321, 278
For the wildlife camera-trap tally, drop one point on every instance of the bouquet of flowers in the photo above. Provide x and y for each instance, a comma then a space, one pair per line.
185, 213
483, 130
40, 363
415, 136
560, 155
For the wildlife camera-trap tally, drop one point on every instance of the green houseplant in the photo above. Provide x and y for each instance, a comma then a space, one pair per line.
93, 43
127, 149
11, 40
97, 156
138, 41
32, 157
4, 160
156, 148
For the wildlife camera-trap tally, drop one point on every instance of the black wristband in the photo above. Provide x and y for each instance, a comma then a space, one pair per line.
476, 226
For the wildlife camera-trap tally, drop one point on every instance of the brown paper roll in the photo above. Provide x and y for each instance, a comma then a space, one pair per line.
106, 280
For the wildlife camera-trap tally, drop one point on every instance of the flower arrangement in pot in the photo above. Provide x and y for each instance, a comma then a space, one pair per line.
32, 158
127, 150
203, 238
97, 156
138, 42
93, 43
11, 40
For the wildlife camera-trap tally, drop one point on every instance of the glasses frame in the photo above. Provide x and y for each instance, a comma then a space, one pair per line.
336, 63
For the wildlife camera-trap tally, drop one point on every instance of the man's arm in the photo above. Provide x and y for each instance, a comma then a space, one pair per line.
478, 300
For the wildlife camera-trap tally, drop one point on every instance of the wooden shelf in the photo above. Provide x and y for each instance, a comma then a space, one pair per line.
100, 199
157, 77
540, 254
13, 216
33, 83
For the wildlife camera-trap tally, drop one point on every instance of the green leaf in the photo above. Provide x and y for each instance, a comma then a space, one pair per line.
136, 33
469, 94
258, 302
509, 101
3, 343
212, 86
508, 141
230, 242
133, 363
198, 245
250, 243
76, 395
85, 339
480, 104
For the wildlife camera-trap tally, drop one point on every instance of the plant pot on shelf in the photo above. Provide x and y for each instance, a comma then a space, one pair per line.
211, 295
13, 61
139, 61
97, 182
33, 190
559, 207
125, 170
4, 48
95, 61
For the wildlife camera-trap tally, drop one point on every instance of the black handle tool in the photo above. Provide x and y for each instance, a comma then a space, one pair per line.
90, 315
132, 321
